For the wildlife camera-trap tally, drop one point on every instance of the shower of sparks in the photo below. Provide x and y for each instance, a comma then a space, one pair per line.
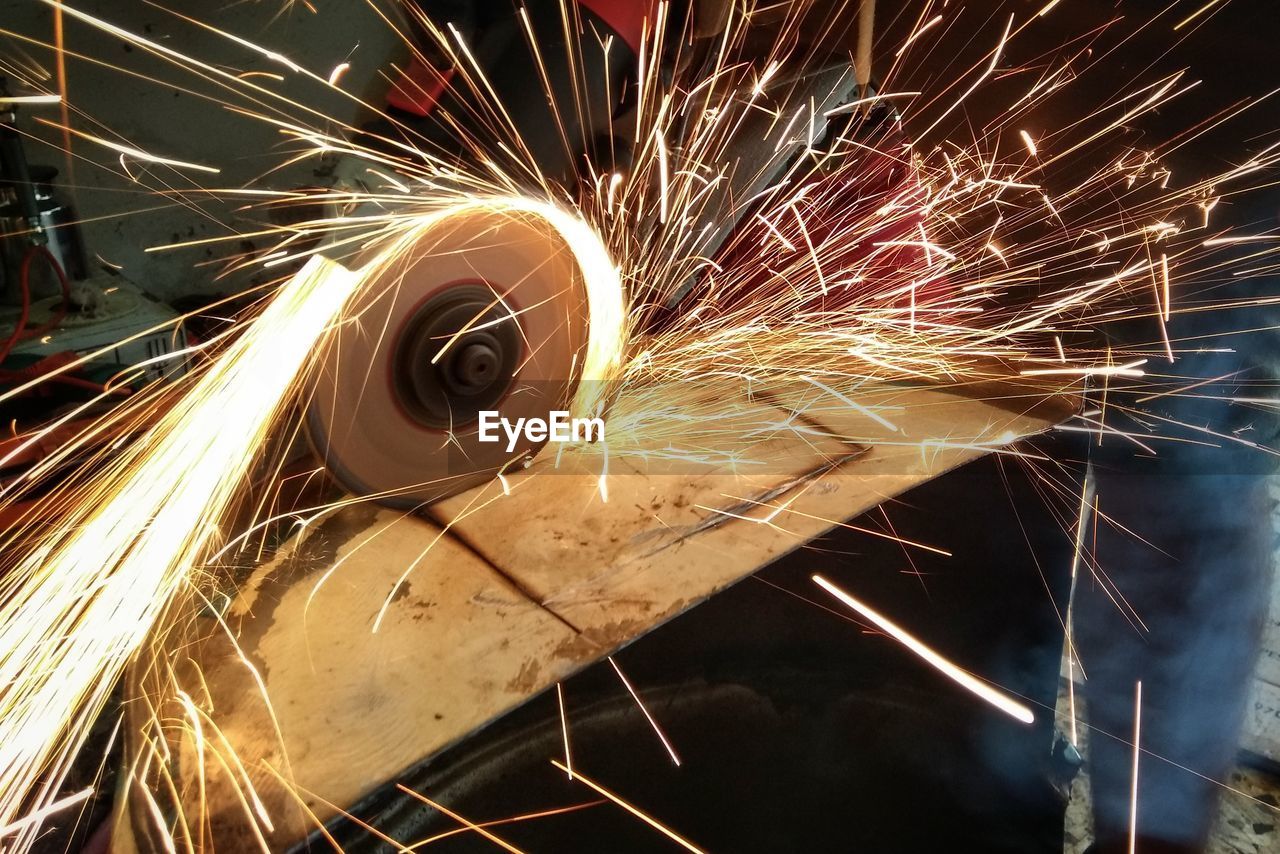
961, 677
86, 596
955, 261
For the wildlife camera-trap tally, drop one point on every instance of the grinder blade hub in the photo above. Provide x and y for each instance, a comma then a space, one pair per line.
456, 357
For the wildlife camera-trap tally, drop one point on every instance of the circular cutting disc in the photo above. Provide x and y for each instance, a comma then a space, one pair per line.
484, 311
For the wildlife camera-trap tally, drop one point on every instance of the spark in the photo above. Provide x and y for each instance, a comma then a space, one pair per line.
422, 843
1071, 696
1129, 369
996, 53
607, 320
338, 71
130, 151
471, 825
1242, 238
852, 404
854, 105
657, 729
1163, 296
1087, 503
60, 67
961, 677
664, 174
652, 822
20, 100
615, 181
37, 816
564, 731
1029, 143
1133, 793
1206, 207
919, 31
1196, 14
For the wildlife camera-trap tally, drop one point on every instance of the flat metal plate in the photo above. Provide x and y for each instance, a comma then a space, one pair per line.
512, 587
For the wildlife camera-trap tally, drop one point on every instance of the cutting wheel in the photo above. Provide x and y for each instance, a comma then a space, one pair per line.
482, 311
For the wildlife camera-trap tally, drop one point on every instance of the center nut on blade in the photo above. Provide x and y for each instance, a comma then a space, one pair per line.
457, 356
482, 312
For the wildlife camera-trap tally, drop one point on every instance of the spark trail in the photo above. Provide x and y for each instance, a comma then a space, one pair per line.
79, 605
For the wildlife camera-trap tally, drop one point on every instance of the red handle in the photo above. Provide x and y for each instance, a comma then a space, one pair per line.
625, 17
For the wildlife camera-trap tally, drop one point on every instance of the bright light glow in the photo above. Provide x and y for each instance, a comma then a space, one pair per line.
82, 601
961, 677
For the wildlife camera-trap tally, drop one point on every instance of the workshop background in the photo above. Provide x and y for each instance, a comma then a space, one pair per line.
142, 101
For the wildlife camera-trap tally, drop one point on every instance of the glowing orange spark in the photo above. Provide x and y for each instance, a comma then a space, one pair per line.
657, 729
649, 820
961, 677
1133, 794
564, 731
480, 829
